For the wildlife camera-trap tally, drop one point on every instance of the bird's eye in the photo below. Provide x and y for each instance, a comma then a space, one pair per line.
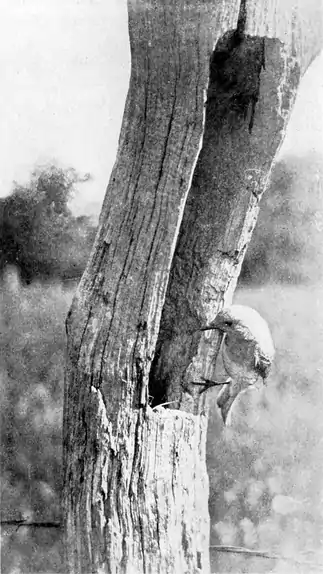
228, 323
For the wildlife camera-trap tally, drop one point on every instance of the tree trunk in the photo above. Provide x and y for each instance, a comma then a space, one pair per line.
136, 488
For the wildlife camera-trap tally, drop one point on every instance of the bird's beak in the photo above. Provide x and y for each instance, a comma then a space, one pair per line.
208, 328
208, 384
225, 400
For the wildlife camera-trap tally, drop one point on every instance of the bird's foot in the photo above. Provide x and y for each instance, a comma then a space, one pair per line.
208, 383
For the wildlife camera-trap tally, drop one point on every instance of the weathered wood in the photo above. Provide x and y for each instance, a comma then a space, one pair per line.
114, 319
252, 88
129, 511
135, 483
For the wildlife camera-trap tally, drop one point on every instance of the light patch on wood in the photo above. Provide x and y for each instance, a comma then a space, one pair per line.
298, 24
135, 494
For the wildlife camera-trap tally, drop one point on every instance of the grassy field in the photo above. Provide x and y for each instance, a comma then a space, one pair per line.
265, 470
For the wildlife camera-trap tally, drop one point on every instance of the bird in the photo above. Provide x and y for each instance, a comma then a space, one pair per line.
247, 352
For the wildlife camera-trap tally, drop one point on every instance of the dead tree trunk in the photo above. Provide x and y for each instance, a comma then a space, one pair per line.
136, 489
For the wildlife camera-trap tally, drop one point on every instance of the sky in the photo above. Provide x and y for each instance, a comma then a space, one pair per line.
65, 71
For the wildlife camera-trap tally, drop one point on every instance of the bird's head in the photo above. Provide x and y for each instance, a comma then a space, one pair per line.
232, 320
243, 322
225, 321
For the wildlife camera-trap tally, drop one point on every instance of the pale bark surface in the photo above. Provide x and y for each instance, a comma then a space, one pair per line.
136, 488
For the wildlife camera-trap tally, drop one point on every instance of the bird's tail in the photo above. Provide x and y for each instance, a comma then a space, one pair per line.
225, 401
223, 396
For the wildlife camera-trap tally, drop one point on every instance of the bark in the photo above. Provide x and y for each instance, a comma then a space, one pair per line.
136, 488
252, 88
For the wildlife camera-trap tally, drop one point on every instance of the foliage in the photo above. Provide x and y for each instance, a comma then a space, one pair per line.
287, 244
41, 236
38, 232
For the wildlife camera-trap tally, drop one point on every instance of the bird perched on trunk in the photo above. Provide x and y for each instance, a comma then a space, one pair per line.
247, 352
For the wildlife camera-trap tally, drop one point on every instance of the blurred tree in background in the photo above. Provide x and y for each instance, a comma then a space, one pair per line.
287, 244
267, 492
39, 233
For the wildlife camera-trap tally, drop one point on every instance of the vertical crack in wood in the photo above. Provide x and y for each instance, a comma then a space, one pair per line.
222, 204
131, 513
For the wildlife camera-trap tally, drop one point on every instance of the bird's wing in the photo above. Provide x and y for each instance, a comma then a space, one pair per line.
262, 362
220, 340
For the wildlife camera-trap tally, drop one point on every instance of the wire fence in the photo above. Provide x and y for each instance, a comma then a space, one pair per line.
267, 555
248, 552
